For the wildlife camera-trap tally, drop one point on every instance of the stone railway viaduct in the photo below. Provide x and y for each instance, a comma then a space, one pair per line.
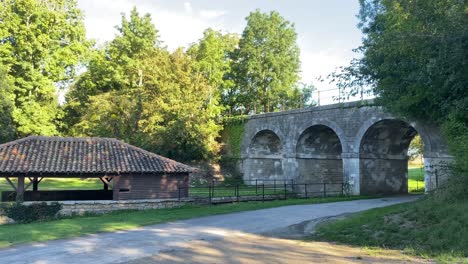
356, 143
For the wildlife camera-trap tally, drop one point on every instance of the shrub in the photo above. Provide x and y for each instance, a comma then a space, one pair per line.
22, 213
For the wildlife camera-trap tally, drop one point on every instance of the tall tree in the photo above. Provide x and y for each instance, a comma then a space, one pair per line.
169, 113
211, 57
414, 56
7, 99
41, 43
160, 101
115, 67
266, 64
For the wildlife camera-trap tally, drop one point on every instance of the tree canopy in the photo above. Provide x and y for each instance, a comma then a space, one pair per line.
132, 87
266, 63
41, 43
137, 91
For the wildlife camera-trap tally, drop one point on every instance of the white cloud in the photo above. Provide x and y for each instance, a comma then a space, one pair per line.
176, 28
188, 7
210, 14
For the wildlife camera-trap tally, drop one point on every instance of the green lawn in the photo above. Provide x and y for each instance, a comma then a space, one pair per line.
59, 184
77, 226
426, 228
415, 179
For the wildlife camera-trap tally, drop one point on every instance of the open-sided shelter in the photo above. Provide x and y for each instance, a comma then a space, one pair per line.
133, 173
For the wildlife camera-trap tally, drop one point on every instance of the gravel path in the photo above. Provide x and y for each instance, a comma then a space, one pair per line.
180, 238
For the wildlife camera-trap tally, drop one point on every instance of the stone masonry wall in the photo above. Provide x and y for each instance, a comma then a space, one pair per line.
344, 127
101, 207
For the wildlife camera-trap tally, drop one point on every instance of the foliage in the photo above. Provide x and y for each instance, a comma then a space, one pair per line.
232, 135
116, 67
7, 127
211, 58
415, 148
414, 56
41, 43
136, 91
427, 228
178, 110
77, 226
22, 213
266, 64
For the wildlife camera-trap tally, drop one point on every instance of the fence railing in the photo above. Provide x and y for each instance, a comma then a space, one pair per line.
338, 95
260, 190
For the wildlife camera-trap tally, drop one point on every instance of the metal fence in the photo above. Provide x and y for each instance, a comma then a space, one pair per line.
337, 95
259, 190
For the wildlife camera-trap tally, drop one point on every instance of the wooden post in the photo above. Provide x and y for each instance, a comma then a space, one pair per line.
35, 184
20, 189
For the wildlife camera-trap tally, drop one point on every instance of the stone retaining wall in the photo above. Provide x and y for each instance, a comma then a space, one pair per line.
101, 207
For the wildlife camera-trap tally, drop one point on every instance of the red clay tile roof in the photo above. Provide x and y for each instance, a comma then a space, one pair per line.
81, 156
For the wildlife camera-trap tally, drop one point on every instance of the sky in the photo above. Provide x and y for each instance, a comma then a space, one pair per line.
326, 29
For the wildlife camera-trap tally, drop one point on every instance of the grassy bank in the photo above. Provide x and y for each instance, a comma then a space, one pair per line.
77, 226
426, 228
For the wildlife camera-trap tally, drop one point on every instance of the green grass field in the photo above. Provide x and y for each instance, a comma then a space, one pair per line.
415, 179
426, 228
76, 226
59, 184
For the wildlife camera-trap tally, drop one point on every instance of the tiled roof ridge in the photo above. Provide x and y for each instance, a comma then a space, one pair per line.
103, 140
150, 153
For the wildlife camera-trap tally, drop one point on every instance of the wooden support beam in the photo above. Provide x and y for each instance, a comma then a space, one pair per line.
36, 182
11, 183
20, 189
106, 181
29, 184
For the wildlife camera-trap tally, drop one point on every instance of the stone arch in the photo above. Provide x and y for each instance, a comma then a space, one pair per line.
318, 155
265, 143
265, 157
330, 124
383, 159
420, 129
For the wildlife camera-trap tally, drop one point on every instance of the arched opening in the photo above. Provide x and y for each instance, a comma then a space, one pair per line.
384, 157
265, 157
318, 155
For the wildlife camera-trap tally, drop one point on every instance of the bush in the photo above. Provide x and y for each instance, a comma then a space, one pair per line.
34, 212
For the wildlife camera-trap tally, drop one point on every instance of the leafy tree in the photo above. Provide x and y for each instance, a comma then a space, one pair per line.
298, 97
7, 97
160, 101
180, 110
114, 67
169, 113
266, 64
41, 42
414, 56
211, 56
415, 148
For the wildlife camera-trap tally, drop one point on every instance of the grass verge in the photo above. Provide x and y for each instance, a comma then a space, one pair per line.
424, 228
81, 225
